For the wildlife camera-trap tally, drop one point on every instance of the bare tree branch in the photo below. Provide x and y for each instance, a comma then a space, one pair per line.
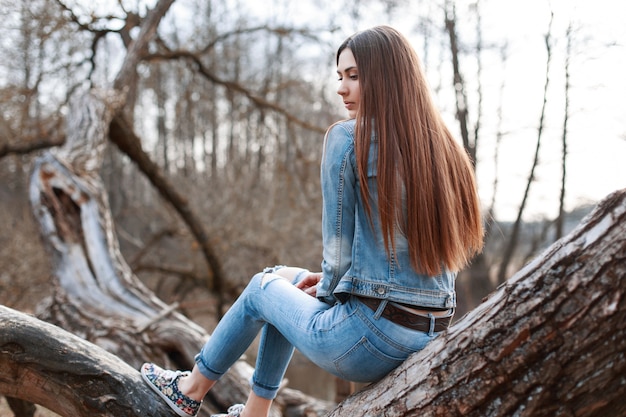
514, 237
568, 56
235, 87
128, 73
458, 83
27, 146
124, 137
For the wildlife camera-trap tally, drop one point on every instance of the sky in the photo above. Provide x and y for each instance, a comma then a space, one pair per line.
597, 122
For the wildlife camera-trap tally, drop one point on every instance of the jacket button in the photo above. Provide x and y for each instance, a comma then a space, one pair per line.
449, 302
380, 290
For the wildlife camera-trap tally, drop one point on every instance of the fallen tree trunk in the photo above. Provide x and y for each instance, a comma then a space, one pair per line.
551, 341
68, 375
44, 364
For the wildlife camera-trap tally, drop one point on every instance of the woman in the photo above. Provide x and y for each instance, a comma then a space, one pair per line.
400, 217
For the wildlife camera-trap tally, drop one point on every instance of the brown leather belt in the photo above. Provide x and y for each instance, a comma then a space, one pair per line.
405, 318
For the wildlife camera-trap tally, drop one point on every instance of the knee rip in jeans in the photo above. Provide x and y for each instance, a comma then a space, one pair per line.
269, 277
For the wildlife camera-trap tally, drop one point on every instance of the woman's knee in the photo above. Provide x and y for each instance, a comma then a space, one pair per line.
290, 273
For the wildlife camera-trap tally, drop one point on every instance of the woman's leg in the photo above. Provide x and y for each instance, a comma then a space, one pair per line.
268, 297
256, 406
275, 351
238, 329
347, 340
195, 385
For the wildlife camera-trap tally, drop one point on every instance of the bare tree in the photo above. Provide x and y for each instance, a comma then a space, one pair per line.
458, 83
561, 217
514, 236
474, 283
491, 211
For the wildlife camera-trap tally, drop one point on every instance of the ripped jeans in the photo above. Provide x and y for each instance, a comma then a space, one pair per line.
347, 340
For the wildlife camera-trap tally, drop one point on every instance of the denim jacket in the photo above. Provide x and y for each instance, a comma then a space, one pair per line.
354, 256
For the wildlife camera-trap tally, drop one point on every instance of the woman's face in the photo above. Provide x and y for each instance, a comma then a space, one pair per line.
348, 82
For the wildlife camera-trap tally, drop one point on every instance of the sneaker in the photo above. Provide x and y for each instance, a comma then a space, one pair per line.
165, 383
233, 411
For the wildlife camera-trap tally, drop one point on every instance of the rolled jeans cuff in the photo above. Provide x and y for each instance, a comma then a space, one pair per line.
204, 370
261, 391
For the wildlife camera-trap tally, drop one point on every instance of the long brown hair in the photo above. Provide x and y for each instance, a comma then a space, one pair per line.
418, 159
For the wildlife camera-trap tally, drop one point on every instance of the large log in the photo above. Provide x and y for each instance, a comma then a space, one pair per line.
68, 375
44, 364
551, 341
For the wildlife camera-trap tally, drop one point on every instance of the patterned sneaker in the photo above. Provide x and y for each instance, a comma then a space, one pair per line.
165, 383
233, 411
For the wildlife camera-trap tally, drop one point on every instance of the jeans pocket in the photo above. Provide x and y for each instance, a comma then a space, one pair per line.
365, 363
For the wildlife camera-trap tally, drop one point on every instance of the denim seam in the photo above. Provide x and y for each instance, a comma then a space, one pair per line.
378, 333
366, 344
339, 213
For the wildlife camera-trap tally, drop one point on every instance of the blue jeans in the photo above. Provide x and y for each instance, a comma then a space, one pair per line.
347, 340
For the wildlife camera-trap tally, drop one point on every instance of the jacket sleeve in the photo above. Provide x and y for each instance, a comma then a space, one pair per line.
339, 188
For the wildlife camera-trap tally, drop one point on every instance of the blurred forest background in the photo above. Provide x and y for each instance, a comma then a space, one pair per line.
232, 103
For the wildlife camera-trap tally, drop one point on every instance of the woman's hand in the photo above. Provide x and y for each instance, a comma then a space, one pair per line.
308, 284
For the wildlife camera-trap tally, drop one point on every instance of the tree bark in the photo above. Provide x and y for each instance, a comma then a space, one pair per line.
21, 408
73, 377
68, 375
548, 342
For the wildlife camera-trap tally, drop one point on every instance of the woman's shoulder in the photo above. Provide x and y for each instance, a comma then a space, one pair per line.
339, 139
342, 127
